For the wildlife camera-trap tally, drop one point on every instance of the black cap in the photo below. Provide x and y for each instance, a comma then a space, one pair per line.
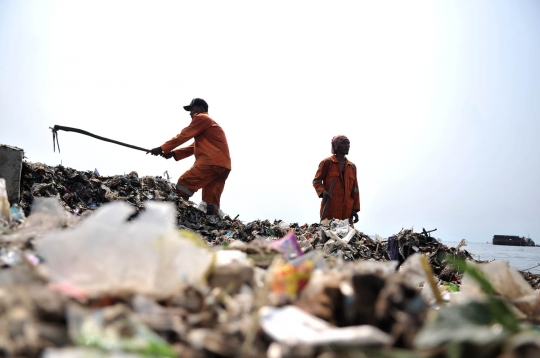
197, 102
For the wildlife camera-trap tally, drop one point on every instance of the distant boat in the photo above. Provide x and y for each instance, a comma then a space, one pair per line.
512, 240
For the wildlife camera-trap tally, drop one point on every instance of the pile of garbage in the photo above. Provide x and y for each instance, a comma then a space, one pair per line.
122, 267
83, 191
87, 190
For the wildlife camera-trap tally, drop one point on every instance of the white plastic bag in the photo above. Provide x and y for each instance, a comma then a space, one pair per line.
105, 254
290, 325
47, 214
507, 282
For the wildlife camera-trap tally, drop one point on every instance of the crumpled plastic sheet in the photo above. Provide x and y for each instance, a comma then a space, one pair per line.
47, 214
107, 254
508, 283
291, 325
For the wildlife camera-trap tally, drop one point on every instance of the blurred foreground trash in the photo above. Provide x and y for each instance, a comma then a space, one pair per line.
107, 255
507, 283
16, 213
290, 278
47, 214
291, 325
288, 246
82, 352
231, 269
482, 323
5, 213
116, 329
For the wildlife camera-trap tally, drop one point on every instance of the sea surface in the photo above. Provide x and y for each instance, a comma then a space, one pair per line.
519, 257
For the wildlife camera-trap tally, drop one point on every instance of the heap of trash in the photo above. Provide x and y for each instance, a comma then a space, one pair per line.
120, 266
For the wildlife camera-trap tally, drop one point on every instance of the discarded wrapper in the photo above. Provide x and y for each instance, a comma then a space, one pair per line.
291, 325
288, 246
292, 277
133, 273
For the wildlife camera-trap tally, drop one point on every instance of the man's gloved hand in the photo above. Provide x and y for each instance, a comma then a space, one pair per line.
155, 151
168, 155
355, 216
326, 195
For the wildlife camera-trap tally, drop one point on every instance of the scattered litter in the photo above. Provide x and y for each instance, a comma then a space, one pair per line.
288, 245
108, 255
291, 325
290, 278
16, 213
122, 267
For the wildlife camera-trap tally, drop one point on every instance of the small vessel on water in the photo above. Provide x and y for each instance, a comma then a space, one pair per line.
512, 240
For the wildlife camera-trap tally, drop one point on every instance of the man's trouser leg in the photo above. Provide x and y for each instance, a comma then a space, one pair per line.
210, 178
211, 193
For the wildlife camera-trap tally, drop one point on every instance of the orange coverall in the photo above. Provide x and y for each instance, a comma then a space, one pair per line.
212, 160
345, 194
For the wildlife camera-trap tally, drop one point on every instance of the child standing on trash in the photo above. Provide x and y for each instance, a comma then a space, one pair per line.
336, 183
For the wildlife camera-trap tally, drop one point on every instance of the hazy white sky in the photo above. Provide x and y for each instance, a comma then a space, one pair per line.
440, 100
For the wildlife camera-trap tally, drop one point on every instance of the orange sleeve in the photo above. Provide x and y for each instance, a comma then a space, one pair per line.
196, 127
320, 176
356, 192
185, 152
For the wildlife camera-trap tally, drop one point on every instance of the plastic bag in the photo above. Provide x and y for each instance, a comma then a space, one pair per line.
231, 270
291, 325
16, 213
202, 206
339, 229
507, 282
47, 214
288, 246
106, 254
291, 277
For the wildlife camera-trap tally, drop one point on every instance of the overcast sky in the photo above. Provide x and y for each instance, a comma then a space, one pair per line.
440, 100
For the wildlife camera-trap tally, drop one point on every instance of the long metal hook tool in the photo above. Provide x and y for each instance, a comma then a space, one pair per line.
56, 128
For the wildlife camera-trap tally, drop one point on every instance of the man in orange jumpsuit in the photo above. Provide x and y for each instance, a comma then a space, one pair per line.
212, 160
344, 200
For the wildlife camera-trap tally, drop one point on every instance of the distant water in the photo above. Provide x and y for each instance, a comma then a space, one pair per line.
519, 257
